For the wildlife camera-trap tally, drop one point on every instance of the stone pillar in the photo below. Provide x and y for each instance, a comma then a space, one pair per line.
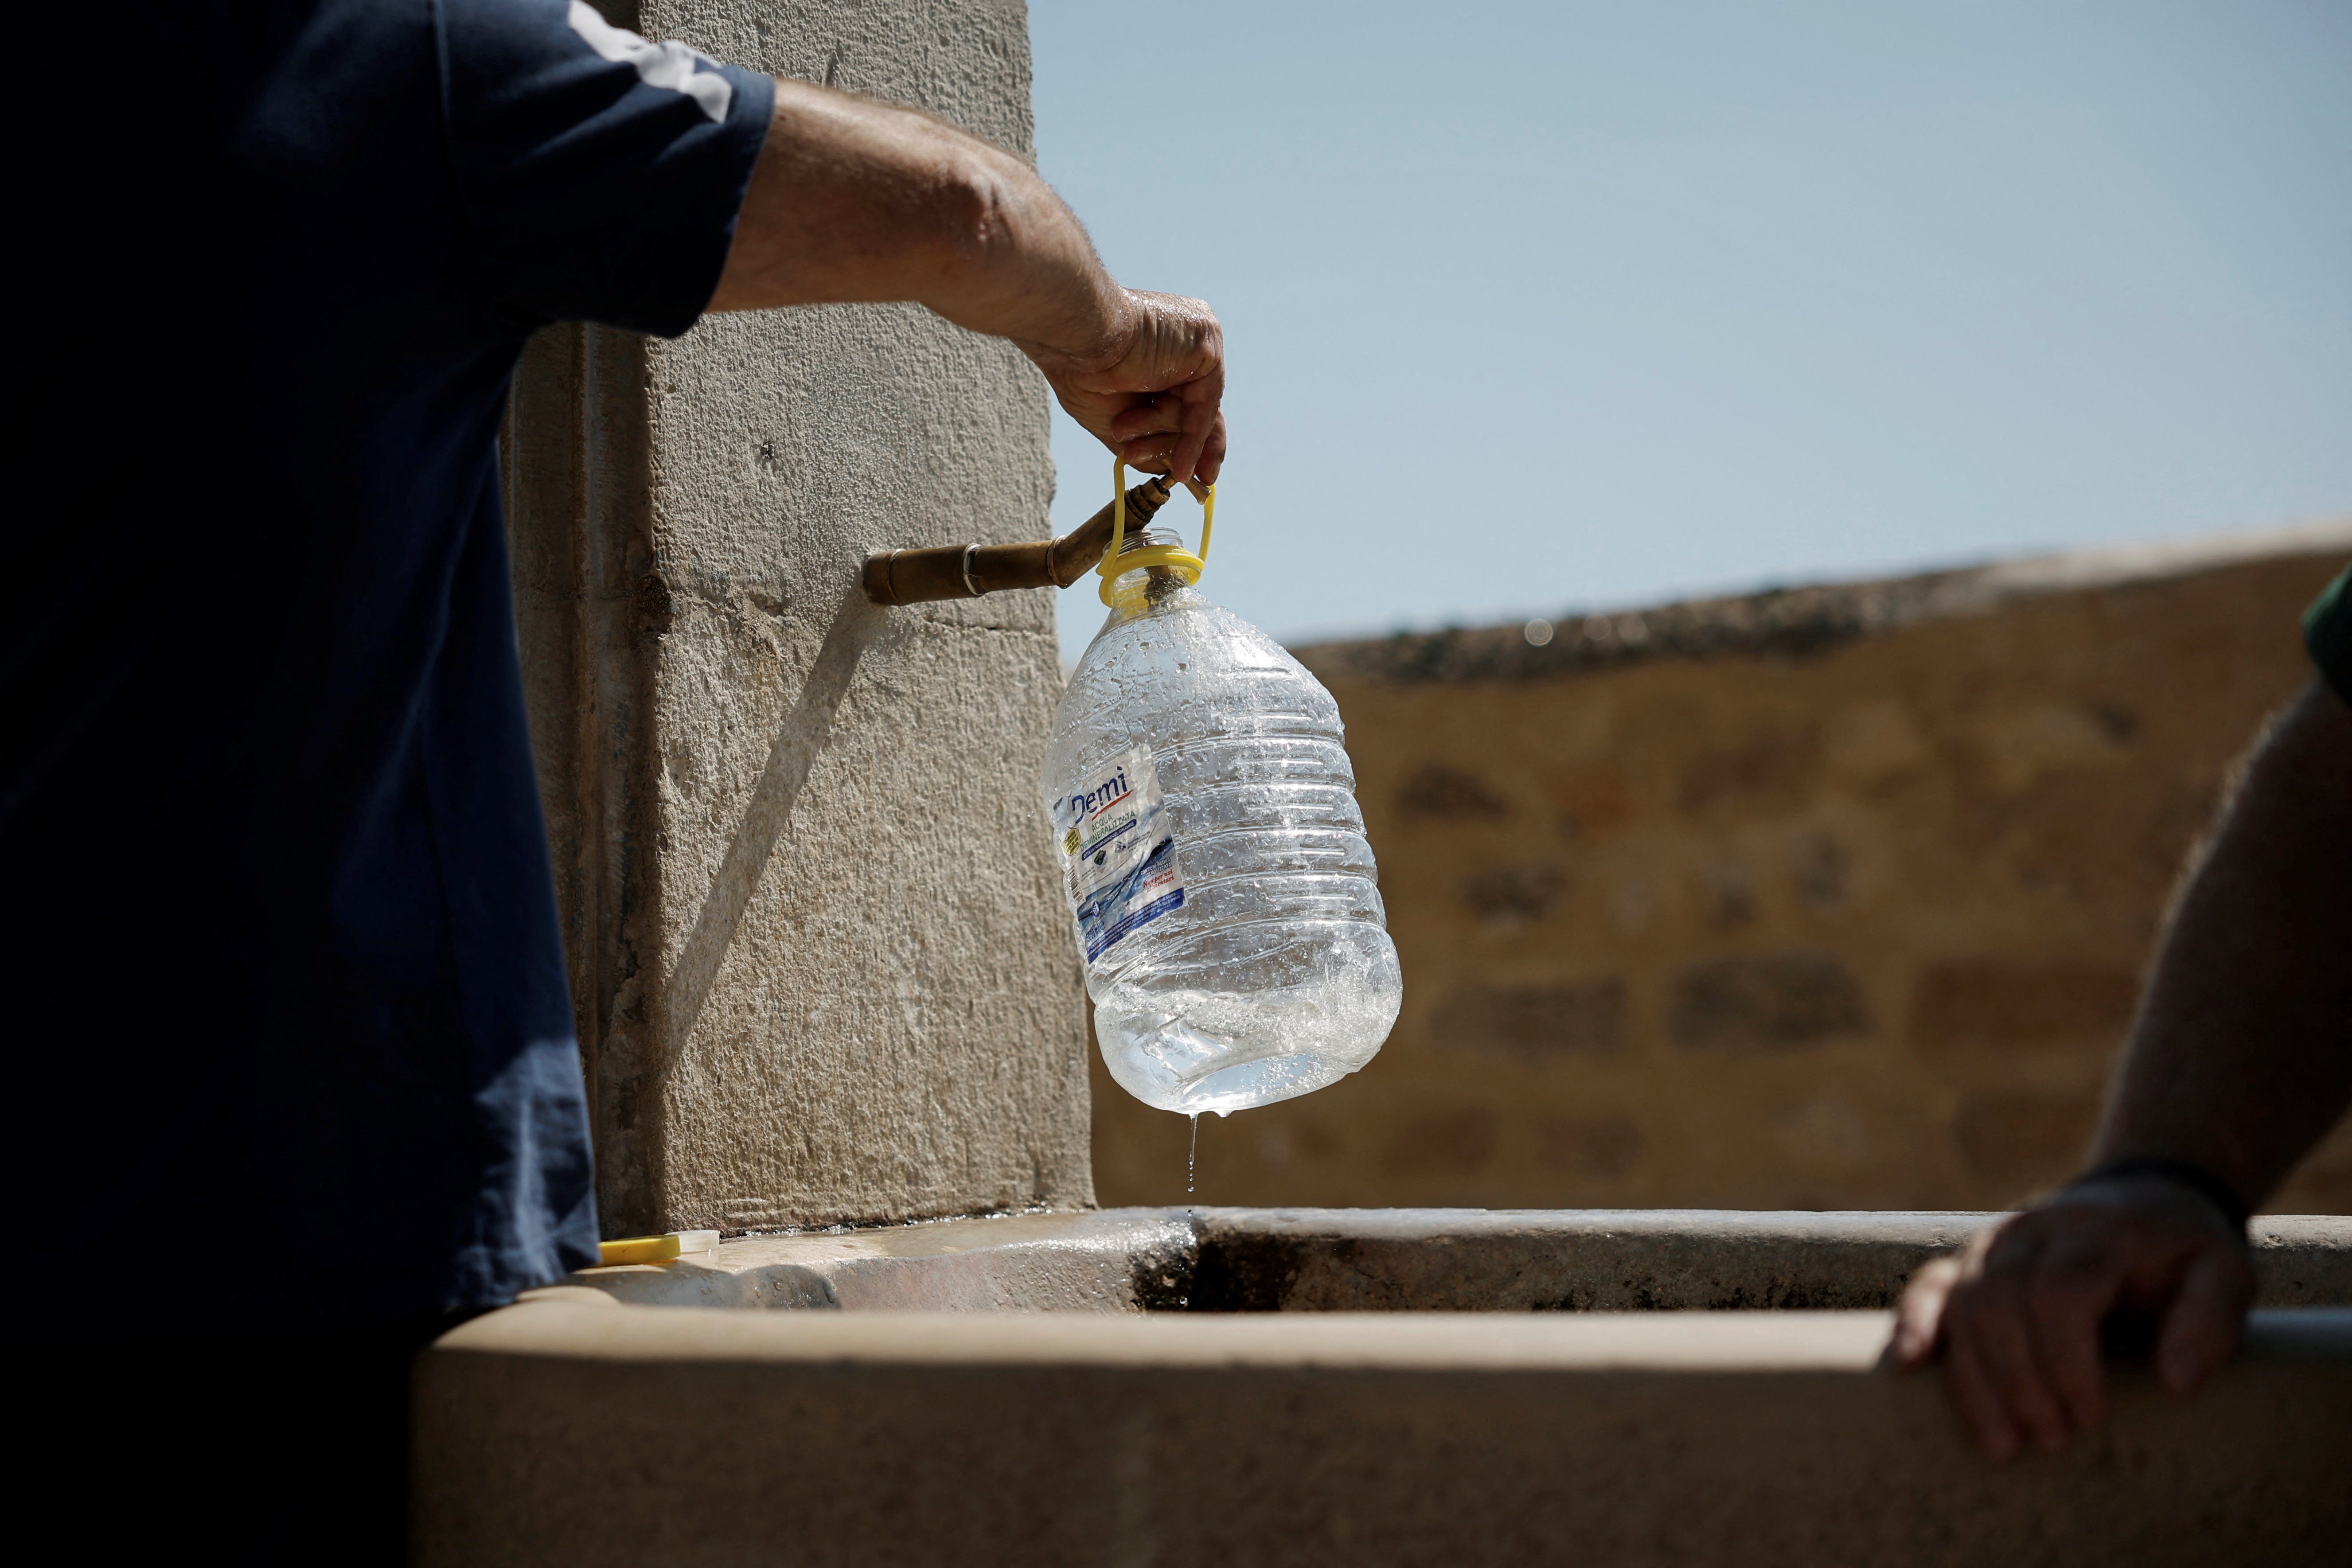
820, 967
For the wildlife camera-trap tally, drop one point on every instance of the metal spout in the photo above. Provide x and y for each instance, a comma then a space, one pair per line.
968, 570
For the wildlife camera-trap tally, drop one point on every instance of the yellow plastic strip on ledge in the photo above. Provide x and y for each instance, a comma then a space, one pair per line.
637, 1250
653, 1249
1114, 565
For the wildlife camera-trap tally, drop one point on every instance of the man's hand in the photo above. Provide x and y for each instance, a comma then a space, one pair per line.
1156, 403
2017, 1314
855, 200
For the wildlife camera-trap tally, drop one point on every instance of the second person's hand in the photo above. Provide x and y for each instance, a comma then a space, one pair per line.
2016, 1316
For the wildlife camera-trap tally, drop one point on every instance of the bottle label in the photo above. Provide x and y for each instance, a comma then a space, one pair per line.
1117, 857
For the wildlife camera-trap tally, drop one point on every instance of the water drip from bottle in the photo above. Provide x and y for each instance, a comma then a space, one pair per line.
1193, 1159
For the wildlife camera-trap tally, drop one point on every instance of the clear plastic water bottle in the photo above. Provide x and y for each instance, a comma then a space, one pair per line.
1203, 806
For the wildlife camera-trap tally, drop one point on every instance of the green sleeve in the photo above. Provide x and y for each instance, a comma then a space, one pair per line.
2327, 632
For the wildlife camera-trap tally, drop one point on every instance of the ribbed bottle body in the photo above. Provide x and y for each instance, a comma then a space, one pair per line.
1223, 891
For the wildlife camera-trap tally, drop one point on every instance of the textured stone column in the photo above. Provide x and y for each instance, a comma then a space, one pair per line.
820, 964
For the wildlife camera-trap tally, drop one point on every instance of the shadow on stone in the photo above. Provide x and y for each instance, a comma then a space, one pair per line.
799, 741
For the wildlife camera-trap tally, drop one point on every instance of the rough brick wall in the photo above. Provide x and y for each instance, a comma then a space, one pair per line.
1829, 899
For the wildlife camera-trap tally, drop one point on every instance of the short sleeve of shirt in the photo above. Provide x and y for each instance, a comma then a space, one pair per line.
600, 174
2327, 632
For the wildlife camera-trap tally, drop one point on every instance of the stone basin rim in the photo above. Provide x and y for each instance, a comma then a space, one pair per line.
1223, 1259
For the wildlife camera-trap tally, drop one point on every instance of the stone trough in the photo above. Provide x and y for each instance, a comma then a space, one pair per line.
1166, 1386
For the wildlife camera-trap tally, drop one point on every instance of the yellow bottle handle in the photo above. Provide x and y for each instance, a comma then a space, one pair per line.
1114, 565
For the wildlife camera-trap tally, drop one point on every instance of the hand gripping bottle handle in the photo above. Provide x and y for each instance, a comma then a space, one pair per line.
1223, 897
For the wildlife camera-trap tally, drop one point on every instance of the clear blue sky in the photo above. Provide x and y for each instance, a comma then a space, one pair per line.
1536, 306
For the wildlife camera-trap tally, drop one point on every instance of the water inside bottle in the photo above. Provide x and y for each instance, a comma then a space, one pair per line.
1225, 897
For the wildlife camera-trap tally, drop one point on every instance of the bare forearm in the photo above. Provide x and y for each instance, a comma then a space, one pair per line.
2240, 1059
853, 200
2242, 1056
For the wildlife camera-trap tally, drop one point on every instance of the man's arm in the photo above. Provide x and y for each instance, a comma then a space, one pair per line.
2239, 1060
855, 200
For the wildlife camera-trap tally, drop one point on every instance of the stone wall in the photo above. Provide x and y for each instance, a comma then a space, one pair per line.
820, 961
1836, 898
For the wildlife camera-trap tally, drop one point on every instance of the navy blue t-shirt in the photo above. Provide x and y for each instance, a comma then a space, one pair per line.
297, 1018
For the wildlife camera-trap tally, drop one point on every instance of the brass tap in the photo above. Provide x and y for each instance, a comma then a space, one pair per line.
968, 570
